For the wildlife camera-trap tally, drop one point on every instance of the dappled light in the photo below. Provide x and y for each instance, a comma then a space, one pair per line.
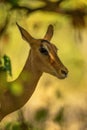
55, 104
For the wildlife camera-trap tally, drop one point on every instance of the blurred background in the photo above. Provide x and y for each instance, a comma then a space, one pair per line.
56, 104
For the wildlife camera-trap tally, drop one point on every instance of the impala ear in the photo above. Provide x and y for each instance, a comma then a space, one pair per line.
25, 35
49, 33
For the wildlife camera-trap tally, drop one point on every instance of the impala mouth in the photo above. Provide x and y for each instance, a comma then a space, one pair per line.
61, 74
64, 73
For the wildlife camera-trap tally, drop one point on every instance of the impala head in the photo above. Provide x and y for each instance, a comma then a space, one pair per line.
44, 53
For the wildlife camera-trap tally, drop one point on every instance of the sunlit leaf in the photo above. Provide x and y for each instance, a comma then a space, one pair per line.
16, 89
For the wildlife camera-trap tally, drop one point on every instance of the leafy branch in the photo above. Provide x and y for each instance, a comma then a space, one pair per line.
5, 65
77, 16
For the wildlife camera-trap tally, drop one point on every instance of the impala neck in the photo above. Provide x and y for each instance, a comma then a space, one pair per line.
28, 79
30, 74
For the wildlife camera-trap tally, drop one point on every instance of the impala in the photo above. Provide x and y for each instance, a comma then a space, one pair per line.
42, 58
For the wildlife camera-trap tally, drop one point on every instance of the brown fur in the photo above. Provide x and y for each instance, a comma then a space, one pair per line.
36, 64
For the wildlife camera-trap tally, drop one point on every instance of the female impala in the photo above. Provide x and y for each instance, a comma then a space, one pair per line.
42, 58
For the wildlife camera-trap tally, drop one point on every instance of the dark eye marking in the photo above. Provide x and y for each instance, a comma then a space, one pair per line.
43, 51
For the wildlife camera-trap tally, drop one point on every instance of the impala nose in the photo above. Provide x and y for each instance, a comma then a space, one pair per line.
64, 72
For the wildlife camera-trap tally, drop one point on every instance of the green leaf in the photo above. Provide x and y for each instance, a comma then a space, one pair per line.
59, 117
7, 64
13, 2
16, 127
16, 89
8, 126
41, 114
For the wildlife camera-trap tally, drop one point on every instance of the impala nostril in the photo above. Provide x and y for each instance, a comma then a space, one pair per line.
64, 72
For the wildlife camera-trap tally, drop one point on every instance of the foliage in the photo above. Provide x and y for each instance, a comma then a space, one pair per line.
75, 10
41, 115
59, 11
59, 116
19, 126
5, 65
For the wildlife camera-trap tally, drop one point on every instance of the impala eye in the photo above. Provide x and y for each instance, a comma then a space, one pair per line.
43, 51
